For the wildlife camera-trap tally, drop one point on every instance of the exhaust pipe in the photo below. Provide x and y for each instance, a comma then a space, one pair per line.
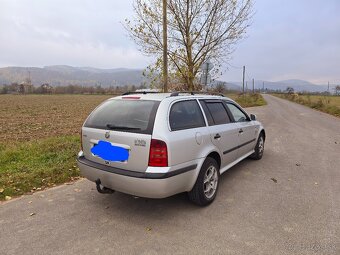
101, 189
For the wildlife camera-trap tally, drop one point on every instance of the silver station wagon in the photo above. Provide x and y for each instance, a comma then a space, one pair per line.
156, 145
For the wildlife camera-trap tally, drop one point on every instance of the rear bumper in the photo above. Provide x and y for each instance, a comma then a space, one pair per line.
151, 185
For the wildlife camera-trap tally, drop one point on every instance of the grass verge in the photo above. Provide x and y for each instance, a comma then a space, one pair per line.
327, 104
34, 165
249, 100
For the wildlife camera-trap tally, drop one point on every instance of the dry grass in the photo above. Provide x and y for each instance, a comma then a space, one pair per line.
331, 100
328, 104
248, 100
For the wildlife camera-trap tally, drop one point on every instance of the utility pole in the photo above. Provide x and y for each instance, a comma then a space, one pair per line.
244, 72
328, 88
253, 86
263, 86
28, 79
165, 47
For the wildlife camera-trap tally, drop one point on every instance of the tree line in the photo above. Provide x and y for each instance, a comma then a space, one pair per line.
290, 90
15, 88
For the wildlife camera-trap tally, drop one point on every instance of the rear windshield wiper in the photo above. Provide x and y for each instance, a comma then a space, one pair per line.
114, 127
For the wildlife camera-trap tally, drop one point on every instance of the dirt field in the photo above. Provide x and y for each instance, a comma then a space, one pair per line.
30, 117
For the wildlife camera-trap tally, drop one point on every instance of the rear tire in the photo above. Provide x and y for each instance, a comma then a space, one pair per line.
206, 186
259, 148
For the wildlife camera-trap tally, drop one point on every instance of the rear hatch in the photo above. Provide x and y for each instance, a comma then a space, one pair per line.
121, 125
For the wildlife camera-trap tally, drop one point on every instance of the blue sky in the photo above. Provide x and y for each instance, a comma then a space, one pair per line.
291, 39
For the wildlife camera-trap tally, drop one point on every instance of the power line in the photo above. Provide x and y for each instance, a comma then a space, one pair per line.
236, 67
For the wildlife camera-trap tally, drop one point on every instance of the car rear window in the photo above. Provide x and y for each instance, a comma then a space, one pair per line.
136, 116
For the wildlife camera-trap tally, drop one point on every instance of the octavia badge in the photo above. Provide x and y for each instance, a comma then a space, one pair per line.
107, 135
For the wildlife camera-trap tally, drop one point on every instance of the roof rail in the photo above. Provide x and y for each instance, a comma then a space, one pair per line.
174, 94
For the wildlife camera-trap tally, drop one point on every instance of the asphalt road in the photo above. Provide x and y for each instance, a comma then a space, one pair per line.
252, 214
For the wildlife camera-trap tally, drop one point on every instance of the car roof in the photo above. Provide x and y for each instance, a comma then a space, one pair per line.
170, 96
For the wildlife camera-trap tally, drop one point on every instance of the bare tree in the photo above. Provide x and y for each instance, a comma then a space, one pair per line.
220, 87
290, 90
198, 30
337, 90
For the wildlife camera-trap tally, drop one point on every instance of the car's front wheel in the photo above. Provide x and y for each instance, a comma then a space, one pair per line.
205, 189
259, 148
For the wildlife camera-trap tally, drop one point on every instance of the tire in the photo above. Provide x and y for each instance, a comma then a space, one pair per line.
259, 148
206, 186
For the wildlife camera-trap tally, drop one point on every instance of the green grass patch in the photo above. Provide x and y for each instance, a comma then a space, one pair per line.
327, 104
34, 165
249, 100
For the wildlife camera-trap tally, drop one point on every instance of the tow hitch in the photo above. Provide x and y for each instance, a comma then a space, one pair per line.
103, 190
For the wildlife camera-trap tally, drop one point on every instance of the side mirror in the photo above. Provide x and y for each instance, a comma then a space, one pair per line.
252, 116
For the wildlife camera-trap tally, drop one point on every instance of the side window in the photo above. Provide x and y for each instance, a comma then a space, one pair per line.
218, 113
238, 115
185, 115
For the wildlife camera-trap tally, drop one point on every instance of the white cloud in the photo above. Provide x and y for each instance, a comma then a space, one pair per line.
38, 33
288, 39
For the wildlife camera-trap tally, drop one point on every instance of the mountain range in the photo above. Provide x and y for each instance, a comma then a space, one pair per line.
298, 85
59, 75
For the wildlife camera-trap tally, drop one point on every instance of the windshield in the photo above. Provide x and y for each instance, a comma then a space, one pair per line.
135, 116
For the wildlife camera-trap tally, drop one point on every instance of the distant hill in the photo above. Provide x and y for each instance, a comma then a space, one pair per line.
298, 85
59, 75
65, 75
301, 85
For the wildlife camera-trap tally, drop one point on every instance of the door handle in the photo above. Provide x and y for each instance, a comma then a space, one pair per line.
217, 136
240, 131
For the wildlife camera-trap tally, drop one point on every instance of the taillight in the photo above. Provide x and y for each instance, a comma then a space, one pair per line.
158, 153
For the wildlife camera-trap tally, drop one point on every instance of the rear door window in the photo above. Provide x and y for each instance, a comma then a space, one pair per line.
185, 115
218, 113
135, 116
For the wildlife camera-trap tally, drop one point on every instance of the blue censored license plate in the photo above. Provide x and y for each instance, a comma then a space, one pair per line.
109, 152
